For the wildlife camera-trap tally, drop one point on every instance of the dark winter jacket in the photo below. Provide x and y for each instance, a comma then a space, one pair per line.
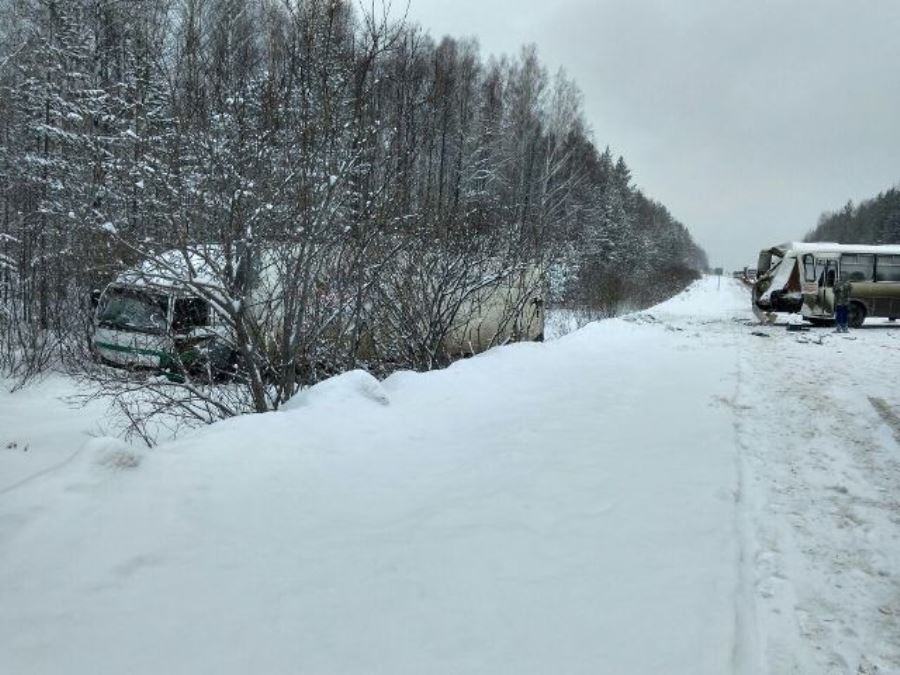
841, 293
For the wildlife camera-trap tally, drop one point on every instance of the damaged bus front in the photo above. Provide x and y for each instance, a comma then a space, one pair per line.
777, 287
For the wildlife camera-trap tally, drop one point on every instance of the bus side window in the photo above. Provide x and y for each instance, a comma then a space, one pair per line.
821, 266
888, 268
809, 267
857, 266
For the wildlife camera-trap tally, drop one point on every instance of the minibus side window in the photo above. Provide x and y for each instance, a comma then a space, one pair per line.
809, 267
888, 268
857, 267
820, 271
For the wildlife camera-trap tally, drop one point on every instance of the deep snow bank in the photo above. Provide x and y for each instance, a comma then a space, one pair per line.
565, 507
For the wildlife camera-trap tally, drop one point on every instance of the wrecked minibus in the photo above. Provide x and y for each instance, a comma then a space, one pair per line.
154, 317
800, 277
149, 317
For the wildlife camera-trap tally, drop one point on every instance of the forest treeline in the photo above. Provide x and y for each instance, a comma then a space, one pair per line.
365, 148
873, 221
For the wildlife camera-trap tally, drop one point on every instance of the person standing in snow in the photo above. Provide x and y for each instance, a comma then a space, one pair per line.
842, 305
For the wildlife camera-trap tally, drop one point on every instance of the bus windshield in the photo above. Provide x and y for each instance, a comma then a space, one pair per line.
133, 310
766, 262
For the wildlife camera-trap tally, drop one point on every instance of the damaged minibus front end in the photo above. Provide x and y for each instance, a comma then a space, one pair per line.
149, 318
777, 287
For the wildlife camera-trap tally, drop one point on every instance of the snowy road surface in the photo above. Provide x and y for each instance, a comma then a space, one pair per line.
668, 493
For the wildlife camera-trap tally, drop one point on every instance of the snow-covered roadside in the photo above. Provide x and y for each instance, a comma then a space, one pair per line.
537, 509
619, 500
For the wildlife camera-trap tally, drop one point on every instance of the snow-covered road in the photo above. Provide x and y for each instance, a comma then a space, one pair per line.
668, 493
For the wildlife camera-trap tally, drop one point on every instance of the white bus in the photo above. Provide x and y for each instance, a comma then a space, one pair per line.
800, 277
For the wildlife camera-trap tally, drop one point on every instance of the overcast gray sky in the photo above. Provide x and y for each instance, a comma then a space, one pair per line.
746, 118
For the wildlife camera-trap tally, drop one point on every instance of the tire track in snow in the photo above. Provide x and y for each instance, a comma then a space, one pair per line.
891, 418
746, 657
768, 600
745, 653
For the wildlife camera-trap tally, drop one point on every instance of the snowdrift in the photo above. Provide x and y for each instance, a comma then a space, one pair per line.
559, 507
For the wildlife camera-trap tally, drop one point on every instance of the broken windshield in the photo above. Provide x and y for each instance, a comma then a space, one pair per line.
126, 309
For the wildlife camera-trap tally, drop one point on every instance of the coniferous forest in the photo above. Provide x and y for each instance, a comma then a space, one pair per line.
873, 221
389, 169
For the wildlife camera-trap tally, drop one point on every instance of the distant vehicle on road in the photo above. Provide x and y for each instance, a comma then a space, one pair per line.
800, 277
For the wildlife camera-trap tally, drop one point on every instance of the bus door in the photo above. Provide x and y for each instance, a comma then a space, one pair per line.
810, 286
827, 279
